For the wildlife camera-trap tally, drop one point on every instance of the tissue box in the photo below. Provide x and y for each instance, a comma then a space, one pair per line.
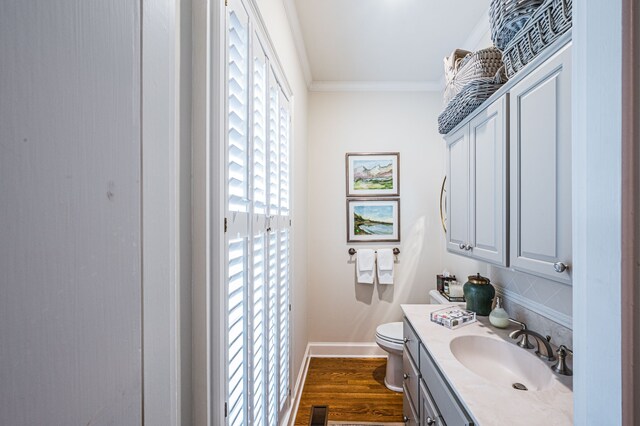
452, 317
442, 282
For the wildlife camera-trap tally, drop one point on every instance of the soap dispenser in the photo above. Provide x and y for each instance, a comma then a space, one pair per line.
499, 317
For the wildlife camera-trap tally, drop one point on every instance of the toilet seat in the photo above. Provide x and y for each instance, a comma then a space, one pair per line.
390, 333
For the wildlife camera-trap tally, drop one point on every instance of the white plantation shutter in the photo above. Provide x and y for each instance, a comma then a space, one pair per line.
274, 145
259, 360
284, 155
237, 104
259, 129
257, 227
237, 173
273, 332
283, 314
236, 331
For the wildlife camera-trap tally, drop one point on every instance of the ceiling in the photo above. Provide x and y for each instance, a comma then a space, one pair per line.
366, 43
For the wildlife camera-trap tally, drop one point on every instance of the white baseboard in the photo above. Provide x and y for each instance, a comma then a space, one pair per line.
346, 350
290, 417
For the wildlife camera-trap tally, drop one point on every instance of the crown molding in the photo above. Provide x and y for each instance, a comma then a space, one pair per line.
296, 32
476, 35
376, 86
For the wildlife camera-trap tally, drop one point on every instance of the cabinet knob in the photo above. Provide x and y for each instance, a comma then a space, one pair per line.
560, 267
468, 247
406, 339
405, 376
405, 419
430, 421
462, 246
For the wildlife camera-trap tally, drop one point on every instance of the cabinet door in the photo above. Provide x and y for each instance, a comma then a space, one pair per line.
429, 414
540, 149
458, 191
487, 151
409, 412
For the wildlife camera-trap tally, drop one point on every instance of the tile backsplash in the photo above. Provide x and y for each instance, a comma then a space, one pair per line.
544, 305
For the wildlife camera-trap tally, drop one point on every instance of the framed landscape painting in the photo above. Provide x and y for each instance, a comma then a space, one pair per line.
373, 220
373, 174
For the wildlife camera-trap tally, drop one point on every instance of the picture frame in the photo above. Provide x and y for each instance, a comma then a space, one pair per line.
373, 174
373, 220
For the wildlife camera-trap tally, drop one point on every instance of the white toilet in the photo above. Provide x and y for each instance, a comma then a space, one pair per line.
389, 337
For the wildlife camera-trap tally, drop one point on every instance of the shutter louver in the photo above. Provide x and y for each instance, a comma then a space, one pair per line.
273, 331
236, 330
283, 303
258, 329
260, 134
274, 144
284, 158
238, 52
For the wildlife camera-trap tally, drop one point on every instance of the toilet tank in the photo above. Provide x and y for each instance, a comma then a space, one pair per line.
435, 298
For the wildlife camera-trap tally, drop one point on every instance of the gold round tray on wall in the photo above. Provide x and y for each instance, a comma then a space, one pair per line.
443, 205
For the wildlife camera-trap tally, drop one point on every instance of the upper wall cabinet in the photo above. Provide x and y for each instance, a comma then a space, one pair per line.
509, 173
476, 186
540, 195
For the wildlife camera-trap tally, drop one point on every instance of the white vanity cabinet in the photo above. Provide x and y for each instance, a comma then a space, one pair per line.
540, 146
476, 186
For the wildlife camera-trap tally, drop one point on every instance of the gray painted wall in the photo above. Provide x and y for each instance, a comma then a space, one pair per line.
70, 240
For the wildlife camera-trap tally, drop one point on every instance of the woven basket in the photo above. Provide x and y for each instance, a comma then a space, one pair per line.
507, 17
550, 21
452, 63
470, 97
481, 64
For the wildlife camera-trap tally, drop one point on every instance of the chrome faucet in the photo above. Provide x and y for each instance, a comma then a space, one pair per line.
542, 343
524, 343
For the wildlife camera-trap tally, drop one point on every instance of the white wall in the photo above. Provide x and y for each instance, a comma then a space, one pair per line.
339, 309
275, 18
70, 209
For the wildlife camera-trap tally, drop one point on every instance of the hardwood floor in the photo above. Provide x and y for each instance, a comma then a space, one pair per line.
353, 388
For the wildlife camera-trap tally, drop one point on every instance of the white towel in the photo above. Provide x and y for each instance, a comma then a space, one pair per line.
385, 266
364, 266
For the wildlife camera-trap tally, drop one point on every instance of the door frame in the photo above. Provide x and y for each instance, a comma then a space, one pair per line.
630, 208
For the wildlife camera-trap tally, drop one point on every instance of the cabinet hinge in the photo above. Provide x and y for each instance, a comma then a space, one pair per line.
289, 222
226, 3
289, 307
289, 391
225, 410
225, 224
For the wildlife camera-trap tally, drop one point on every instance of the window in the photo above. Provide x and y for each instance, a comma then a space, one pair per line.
257, 227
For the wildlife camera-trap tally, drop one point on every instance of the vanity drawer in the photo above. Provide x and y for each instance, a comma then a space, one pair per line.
411, 341
450, 408
410, 379
408, 410
429, 414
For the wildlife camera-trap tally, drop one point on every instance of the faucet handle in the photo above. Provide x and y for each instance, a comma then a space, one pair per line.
561, 367
524, 341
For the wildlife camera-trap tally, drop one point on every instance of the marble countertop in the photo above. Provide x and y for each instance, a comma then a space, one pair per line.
488, 403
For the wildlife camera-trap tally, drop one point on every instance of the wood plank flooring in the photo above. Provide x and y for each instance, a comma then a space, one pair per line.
353, 388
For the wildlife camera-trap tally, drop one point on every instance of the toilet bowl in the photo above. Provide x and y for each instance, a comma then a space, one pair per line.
389, 338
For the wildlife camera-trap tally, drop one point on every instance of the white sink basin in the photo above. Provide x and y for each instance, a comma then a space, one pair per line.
502, 363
